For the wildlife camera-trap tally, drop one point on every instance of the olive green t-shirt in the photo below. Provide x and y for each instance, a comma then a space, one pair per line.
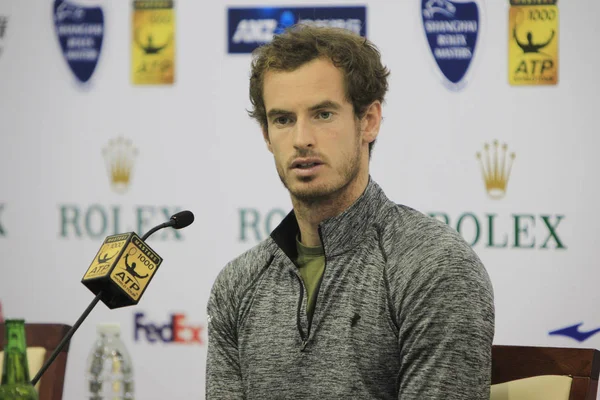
311, 264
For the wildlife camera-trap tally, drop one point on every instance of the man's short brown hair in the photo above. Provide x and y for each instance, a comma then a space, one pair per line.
365, 77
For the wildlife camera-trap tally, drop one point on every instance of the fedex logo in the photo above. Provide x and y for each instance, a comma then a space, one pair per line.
249, 28
174, 331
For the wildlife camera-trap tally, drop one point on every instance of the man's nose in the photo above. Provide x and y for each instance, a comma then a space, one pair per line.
304, 134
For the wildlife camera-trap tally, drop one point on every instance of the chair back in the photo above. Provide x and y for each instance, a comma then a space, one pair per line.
513, 363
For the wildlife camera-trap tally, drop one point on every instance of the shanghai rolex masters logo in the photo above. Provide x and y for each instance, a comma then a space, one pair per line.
496, 164
119, 156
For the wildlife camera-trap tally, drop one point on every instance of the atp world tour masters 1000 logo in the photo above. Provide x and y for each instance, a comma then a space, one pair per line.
533, 42
452, 29
153, 48
80, 32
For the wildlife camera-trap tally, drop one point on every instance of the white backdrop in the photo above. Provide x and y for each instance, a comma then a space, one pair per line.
197, 149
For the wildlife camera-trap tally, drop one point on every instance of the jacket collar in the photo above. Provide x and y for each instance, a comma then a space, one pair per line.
340, 233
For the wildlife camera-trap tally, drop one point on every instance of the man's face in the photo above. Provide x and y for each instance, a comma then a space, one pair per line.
312, 132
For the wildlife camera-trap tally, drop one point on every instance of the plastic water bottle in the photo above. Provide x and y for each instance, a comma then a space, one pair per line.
109, 366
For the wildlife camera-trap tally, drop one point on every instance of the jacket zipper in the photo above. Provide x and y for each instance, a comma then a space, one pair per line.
302, 289
298, 313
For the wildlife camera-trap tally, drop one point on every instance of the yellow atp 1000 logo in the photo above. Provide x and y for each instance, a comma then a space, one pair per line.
533, 43
153, 47
135, 268
106, 257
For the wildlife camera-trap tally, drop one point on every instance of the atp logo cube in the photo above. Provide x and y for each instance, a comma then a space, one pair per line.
122, 269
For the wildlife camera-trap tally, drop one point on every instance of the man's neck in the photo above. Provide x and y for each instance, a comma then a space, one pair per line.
310, 214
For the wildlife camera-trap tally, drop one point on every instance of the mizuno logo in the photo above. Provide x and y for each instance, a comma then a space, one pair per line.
574, 333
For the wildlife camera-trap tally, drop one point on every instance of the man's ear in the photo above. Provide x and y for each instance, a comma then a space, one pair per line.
371, 122
265, 133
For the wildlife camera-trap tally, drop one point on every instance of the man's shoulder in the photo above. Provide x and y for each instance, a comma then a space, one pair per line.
254, 259
411, 227
239, 272
417, 240
422, 253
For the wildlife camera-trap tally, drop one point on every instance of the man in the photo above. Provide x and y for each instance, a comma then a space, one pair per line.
352, 296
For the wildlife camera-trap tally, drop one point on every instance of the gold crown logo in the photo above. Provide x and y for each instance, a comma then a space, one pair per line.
496, 168
119, 156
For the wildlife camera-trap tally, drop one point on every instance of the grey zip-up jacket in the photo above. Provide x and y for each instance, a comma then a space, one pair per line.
404, 311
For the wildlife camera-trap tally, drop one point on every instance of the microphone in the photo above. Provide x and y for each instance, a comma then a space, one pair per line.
181, 220
119, 274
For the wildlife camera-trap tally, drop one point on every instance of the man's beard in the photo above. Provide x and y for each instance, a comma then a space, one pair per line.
344, 175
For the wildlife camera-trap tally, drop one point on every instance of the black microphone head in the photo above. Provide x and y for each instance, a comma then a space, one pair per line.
182, 219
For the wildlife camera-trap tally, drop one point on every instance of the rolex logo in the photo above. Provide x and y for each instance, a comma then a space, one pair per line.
496, 163
119, 156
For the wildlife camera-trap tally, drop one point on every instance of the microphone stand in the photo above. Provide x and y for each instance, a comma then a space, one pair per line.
66, 338
87, 311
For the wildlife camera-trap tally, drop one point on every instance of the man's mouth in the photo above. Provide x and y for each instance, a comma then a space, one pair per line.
305, 163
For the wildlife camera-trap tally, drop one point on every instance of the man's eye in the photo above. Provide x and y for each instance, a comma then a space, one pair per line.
325, 115
281, 120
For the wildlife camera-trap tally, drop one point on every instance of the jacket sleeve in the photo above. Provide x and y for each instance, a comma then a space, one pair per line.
223, 374
445, 316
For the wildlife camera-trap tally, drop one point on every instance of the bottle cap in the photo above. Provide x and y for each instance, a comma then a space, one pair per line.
109, 328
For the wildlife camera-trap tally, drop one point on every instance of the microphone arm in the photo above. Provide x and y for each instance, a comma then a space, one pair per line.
83, 316
66, 339
177, 221
156, 228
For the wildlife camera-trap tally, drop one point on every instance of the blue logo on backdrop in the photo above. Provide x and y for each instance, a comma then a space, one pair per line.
575, 333
452, 31
80, 31
249, 28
